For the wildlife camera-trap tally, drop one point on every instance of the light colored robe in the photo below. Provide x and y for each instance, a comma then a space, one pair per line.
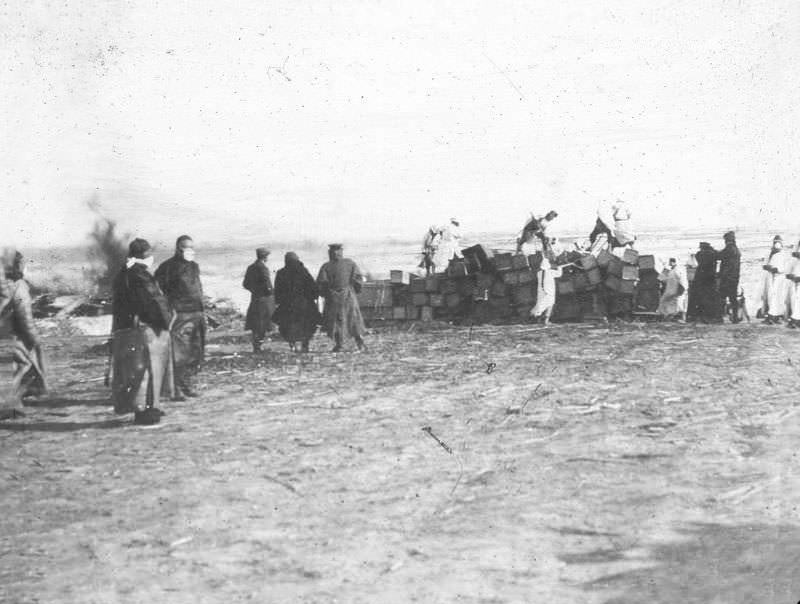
794, 290
545, 290
779, 286
672, 300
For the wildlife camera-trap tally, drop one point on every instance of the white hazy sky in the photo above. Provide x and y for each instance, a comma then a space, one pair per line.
251, 120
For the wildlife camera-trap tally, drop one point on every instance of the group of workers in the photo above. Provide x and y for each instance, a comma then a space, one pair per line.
158, 334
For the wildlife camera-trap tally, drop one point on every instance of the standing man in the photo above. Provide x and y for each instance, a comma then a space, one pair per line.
672, 304
706, 298
339, 280
179, 279
730, 260
258, 282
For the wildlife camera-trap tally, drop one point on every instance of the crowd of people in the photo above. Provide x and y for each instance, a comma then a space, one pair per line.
158, 336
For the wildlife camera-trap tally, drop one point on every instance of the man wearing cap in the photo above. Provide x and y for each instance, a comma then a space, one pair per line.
777, 266
339, 281
140, 337
730, 261
179, 278
258, 282
703, 296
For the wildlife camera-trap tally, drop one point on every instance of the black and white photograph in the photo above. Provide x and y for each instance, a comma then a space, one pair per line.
369, 302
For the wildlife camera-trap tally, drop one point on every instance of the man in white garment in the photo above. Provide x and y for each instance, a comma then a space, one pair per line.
778, 266
673, 300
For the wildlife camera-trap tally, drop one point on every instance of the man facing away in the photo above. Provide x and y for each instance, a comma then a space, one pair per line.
179, 279
258, 282
730, 261
339, 281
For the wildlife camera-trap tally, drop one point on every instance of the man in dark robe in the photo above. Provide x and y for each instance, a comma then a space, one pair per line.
21, 359
140, 340
339, 280
297, 314
730, 261
258, 282
179, 279
704, 298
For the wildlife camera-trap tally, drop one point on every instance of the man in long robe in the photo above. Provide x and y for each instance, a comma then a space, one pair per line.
339, 281
704, 286
729, 268
449, 245
258, 281
140, 337
673, 299
21, 358
430, 244
179, 279
766, 280
793, 276
777, 300
297, 314
623, 229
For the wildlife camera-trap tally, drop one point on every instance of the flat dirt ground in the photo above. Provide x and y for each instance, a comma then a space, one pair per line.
621, 464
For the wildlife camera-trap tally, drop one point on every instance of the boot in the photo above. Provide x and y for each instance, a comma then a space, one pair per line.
361, 346
304, 347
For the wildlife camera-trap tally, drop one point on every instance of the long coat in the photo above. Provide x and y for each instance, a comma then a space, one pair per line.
258, 282
297, 314
339, 281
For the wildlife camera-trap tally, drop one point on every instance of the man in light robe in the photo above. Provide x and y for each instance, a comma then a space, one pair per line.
179, 279
258, 281
778, 266
449, 245
545, 291
21, 359
339, 281
672, 304
794, 289
623, 229
766, 280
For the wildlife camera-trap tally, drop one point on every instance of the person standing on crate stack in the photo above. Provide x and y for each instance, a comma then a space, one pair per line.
430, 244
623, 230
339, 281
534, 234
258, 281
179, 279
729, 268
449, 245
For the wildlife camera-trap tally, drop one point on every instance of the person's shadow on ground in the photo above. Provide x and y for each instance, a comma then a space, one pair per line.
23, 423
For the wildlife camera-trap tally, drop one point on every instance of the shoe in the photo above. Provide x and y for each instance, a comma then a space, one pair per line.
336, 348
361, 347
147, 417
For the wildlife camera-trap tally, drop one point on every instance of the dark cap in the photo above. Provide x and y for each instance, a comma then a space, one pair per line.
262, 252
729, 236
777, 238
335, 246
139, 248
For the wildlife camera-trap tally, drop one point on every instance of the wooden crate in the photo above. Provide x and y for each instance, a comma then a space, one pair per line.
648, 279
412, 313
646, 300
498, 290
478, 258
511, 278
432, 284
453, 300
500, 307
436, 300
587, 262
627, 287
526, 276
485, 280
519, 262
630, 272
567, 308
604, 258
613, 283
375, 293
620, 305
594, 276
564, 286
466, 286
420, 299
457, 268
647, 262
399, 313
580, 282
400, 277
502, 262
630, 256
615, 266
426, 314
480, 293
416, 285
524, 294
448, 286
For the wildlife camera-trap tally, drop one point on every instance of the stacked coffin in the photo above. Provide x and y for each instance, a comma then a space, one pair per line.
488, 286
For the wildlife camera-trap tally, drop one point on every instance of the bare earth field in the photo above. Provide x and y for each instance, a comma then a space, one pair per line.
623, 464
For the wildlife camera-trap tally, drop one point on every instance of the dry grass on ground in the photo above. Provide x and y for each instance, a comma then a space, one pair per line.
636, 463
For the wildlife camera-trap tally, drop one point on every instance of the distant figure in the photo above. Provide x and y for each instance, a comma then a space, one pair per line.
339, 281
704, 298
730, 261
430, 245
297, 315
672, 304
623, 231
140, 337
602, 234
766, 280
22, 371
536, 230
778, 266
794, 289
258, 282
545, 291
179, 279
449, 245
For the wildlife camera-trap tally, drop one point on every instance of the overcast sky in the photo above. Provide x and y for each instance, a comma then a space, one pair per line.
246, 121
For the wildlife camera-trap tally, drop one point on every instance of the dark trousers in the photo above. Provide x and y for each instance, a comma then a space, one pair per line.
730, 296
